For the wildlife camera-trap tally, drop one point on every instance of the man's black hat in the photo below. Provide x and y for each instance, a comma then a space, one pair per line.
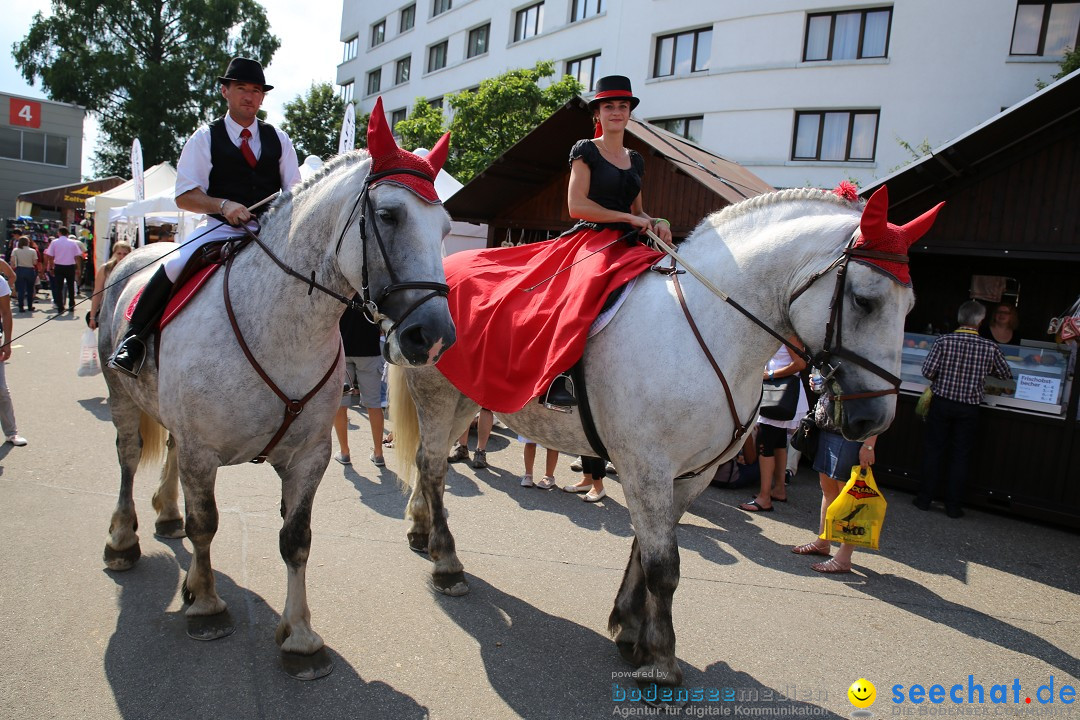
245, 70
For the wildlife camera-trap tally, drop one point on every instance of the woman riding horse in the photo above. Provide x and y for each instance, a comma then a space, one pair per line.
531, 326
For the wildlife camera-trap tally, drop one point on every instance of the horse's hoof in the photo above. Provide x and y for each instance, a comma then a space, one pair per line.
122, 559
418, 542
210, 627
307, 667
169, 529
452, 584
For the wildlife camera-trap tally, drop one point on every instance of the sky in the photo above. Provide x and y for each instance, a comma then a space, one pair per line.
310, 52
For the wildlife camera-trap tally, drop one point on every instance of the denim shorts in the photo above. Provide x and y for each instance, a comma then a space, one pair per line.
836, 456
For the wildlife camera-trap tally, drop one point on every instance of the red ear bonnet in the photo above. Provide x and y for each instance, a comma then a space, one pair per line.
879, 235
387, 156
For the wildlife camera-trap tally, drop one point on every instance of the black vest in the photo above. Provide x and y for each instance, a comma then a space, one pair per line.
230, 175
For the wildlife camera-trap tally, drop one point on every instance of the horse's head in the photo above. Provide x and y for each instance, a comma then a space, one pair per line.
397, 263
854, 325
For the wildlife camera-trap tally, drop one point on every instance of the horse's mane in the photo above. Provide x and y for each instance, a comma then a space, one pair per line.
350, 158
774, 199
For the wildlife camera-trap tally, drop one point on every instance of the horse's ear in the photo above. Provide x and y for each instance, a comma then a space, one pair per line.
437, 156
875, 216
920, 225
380, 140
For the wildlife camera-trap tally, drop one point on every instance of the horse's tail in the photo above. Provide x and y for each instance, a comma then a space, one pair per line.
153, 441
406, 424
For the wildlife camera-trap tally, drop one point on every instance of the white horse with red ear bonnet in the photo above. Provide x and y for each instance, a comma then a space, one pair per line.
669, 407
268, 387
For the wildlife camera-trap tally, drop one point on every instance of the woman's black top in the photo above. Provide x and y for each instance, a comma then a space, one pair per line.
610, 187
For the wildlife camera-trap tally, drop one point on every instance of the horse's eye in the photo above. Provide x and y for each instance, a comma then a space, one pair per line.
386, 216
862, 303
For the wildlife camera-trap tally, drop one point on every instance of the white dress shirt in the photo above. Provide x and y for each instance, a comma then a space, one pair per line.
193, 169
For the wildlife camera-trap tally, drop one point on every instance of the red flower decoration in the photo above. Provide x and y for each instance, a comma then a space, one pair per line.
847, 190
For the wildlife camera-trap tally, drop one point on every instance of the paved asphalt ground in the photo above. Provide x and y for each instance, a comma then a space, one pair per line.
986, 596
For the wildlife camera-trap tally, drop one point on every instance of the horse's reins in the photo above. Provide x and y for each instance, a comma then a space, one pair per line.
819, 360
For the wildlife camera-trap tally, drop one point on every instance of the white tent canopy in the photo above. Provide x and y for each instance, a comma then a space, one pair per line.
463, 235
159, 179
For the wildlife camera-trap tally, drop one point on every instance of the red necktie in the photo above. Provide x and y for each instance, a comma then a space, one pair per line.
245, 149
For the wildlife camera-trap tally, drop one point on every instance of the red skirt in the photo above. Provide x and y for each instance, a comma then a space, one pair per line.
512, 341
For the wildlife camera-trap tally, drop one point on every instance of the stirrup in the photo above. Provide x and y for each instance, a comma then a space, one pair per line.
568, 386
137, 367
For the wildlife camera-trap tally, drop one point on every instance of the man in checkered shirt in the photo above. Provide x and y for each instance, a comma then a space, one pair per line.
956, 367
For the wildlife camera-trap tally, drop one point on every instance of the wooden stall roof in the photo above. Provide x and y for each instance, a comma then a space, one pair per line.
70, 196
537, 165
1009, 183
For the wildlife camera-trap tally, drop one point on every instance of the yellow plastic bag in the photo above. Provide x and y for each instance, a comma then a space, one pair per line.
857, 513
922, 407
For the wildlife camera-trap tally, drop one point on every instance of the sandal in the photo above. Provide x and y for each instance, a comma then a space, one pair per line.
753, 506
810, 549
830, 566
547, 483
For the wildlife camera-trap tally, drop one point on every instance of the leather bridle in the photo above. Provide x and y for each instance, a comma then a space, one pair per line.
828, 360
370, 307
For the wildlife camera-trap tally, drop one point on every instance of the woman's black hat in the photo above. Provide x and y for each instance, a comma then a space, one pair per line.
613, 87
245, 70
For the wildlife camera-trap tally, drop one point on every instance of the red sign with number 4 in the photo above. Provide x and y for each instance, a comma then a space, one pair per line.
25, 113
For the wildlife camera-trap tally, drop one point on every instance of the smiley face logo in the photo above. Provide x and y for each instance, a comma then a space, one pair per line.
862, 693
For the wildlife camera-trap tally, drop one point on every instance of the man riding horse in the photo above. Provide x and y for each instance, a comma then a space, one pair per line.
225, 168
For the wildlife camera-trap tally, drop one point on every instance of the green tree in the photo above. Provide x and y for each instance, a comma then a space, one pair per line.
490, 119
422, 128
313, 121
504, 109
145, 68
1070, 63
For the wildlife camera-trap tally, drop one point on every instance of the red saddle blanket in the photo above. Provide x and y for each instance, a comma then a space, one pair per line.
513, 340
180, 297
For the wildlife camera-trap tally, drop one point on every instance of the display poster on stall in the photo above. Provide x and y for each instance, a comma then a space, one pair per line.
1037, 389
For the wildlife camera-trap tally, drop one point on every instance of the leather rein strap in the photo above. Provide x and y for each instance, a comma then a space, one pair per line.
293, 408
741, 428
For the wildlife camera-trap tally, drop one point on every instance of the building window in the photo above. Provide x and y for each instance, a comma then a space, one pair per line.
683, 53
440, 7
33, 147
1045, 28
586, 8
835, 135
408, 19
378, 33
478, 41
401, 70
374, 81
584, 71
687, 127
528, 22
848, 35
436, 57
436, 103
346, 92
350, 49
395, 117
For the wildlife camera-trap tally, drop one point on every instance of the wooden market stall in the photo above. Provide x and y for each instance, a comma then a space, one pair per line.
1010, 233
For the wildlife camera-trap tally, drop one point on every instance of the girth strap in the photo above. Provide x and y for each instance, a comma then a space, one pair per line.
588, 424
293, 408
